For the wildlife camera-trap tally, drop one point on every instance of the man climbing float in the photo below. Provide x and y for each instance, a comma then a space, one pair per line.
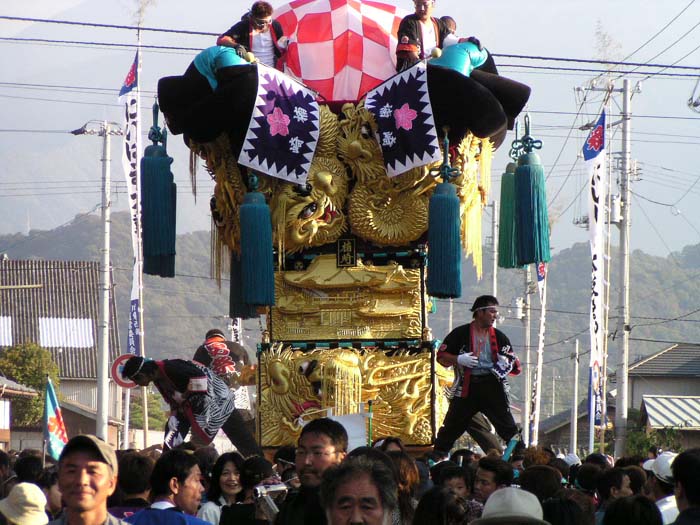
198, 400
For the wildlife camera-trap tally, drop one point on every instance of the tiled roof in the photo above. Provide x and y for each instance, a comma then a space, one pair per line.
56, 304
564, 417
9, 388
681, 412
678, 360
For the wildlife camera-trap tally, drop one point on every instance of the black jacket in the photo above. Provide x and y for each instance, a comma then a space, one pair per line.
242, 33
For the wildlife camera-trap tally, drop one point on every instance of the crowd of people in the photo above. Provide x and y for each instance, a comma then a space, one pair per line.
321, 481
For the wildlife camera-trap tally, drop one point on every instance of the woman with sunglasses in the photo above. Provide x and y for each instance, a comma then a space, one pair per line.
259, 33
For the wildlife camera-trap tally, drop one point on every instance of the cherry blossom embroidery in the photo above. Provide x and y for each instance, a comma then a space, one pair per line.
404, 117
279, 123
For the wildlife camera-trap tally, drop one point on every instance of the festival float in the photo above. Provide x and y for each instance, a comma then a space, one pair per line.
346, 195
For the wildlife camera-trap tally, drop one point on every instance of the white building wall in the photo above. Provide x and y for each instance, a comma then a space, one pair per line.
5, 414
21, 440
84, 392
670, 386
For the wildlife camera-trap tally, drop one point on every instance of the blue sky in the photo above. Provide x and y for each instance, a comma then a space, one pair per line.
47, 177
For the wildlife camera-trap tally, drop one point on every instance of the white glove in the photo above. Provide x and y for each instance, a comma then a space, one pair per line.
283, 42
468, 360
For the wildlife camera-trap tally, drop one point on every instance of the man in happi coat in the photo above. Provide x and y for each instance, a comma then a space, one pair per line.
199, 401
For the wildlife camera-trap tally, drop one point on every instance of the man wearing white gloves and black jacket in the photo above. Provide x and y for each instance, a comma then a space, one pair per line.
482, 358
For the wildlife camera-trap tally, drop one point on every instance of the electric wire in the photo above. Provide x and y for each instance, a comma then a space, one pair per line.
105, 26
658, 234
97, 44
651, 38
74, 220
666, 49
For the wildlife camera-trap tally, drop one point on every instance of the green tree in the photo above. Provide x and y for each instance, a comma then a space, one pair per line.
157, 416
28, 364
639, 440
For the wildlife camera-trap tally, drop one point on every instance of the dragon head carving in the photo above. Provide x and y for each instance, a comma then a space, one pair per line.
311, 215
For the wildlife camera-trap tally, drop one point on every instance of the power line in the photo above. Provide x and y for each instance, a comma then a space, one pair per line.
40, 99
664, 321
40, 233
658, 234
660, 30
62, 131
650, 200
106, 26
203, 33
667, 48
662, 117
605, 71
647, 340
69, 88
569, 312
593, 61
572, 202
101, 44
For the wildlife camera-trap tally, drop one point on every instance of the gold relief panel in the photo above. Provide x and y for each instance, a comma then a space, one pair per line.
325, 302
298, 386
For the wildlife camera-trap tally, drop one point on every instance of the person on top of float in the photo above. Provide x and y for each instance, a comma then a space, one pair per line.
419, 33
259, 33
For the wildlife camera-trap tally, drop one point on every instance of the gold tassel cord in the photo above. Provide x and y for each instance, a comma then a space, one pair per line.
342, 384
194, 157
485, 160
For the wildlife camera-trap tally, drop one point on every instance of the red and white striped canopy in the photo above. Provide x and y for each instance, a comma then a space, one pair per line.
340, 48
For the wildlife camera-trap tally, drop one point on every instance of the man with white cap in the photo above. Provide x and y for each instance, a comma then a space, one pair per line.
660, 485
25, 505
511, 506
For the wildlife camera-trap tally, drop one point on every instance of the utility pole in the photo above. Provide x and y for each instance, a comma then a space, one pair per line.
528, 372
449, 317
554, 390
494, 244
106, 130
573, 440
622, 401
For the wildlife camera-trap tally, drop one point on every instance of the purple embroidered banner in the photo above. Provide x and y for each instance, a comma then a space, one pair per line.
283, 129
406, 128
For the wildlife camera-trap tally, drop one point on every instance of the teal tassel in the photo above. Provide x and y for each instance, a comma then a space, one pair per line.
507, 257
444, 243
236, 306
532, 220
158, 203
257, 270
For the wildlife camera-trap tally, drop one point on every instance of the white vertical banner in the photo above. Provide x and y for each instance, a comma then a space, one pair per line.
537, 382
131, 161
594, 156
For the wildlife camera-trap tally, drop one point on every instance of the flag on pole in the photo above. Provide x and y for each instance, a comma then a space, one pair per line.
131, 163
54, 427
594, 156
132, 78
541, 274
